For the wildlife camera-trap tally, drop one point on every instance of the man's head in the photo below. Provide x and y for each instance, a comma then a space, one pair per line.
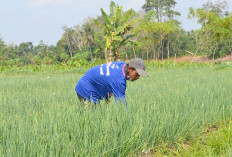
136, 69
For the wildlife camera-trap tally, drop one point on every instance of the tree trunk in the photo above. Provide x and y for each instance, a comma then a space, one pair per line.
110, 55
158, 15
168, 49
134, 51
154, 55
175, 57
147, 54
69, 45
126, 54
91, 53
106, 55
162, 50
116, 55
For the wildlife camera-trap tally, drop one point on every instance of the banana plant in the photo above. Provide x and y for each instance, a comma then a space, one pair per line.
117, 30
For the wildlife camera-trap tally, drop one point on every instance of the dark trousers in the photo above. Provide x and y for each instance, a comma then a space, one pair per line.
85, 101
81, 98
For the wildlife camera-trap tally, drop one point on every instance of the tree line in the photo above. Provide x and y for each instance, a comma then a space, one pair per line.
151, 34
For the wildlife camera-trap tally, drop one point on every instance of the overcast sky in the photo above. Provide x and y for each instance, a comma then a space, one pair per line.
35, 20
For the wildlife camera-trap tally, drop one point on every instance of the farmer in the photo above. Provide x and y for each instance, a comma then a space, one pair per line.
106, 80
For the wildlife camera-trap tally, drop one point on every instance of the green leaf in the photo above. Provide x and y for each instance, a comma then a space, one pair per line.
108, 42
99, 42
117, 38
97, 23
113, 9
105, 16
97, 50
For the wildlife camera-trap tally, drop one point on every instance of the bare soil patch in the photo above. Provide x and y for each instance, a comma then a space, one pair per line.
202, 59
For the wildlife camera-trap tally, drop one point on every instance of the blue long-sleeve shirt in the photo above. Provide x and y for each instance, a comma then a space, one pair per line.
101, 81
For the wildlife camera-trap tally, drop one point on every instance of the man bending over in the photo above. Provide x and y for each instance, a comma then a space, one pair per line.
106, 80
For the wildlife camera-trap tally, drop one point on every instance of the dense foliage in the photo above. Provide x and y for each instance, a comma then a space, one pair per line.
150, 34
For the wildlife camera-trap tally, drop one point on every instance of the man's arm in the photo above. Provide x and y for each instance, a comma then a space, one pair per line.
119, 90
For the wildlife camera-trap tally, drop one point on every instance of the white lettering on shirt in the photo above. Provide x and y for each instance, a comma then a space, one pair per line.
113, 66
101, 70
108, 68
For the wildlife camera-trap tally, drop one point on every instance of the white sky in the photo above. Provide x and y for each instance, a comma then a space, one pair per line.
35, 20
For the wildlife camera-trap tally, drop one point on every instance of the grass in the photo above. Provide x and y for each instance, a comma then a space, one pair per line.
215, 141
41, 115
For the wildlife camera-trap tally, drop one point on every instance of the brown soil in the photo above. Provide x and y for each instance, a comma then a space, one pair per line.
202, 59
197, 59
